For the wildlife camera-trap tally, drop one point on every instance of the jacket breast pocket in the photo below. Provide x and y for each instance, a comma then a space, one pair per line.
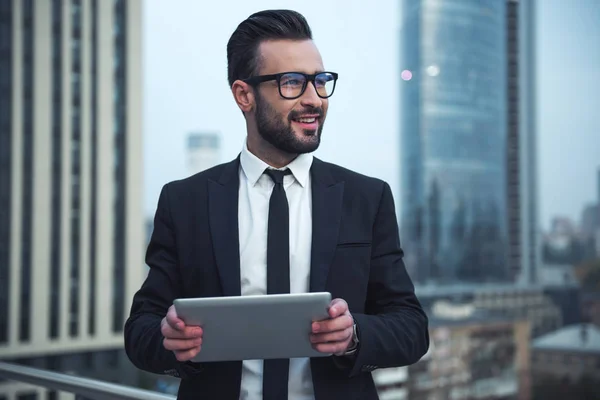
354, 243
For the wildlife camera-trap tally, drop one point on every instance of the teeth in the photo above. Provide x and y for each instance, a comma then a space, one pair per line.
306, 120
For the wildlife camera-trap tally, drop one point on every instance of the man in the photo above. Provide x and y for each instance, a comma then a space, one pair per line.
227, 230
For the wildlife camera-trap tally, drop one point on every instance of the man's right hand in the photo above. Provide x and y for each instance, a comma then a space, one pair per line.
184, 341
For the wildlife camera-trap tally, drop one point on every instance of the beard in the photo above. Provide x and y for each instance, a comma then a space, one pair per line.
280, 134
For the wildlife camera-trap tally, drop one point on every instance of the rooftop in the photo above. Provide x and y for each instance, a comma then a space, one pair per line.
558, 275
469, 289
584, 338
446, 313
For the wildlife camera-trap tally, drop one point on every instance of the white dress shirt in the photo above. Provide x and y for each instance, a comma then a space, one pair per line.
254, 195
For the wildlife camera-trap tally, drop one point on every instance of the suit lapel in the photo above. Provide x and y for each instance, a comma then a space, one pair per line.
223, 219
327, 195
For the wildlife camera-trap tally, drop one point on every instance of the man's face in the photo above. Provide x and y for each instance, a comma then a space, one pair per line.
293, 126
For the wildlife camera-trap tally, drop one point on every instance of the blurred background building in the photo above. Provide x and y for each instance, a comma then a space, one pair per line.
469, 181
203, 151
524, 255
392, 383
454, 141
507, 301
566, 363
476, 355
71, 225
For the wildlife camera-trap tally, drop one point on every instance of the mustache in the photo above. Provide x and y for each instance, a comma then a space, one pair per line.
298, 113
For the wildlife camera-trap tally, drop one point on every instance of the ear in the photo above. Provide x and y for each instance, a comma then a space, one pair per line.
243, 95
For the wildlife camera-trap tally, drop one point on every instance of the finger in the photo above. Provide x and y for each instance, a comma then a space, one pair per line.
173, 320
333, 348
337, 307
189, 332
181, 344
332, 325
339, 336
186, 355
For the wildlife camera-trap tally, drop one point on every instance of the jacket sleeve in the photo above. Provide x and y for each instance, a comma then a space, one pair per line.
143, 337
393, 331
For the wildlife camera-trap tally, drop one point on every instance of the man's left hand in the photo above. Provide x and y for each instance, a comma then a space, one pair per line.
334, 335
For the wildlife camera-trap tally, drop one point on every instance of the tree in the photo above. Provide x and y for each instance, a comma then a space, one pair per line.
588, 274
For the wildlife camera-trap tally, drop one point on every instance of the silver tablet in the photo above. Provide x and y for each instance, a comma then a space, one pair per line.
255, 327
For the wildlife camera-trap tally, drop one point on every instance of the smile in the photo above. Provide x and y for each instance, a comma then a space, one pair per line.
309, 121
306, 120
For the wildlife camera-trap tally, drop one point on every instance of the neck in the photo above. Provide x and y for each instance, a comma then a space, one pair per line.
267, 152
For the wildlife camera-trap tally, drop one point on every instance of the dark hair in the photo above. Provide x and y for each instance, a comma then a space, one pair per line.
242, 58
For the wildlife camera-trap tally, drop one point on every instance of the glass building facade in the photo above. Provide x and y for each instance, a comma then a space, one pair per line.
454, 112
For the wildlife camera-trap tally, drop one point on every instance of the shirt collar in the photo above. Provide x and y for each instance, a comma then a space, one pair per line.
254, 167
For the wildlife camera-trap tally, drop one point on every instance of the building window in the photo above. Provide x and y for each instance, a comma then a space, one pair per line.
75, 165
94, 169
119, 131
27, 194
28, 396
5, 160
113, 358
55, 287
88, 359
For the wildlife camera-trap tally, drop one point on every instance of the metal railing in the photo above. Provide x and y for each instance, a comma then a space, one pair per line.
90, 388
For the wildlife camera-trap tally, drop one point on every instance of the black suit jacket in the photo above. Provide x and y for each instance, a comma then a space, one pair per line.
356, 256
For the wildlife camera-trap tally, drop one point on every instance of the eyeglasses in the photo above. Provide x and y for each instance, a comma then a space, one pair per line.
293, 84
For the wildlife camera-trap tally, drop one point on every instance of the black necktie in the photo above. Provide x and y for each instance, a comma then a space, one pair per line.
276, 371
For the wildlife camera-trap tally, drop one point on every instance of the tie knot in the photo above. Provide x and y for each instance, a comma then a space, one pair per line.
277, 175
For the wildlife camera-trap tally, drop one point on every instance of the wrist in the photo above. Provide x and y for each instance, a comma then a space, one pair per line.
353, 346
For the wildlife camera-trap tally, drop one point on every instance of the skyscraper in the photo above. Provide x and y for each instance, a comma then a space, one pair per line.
203, 151
521, 155
71, 229
454, 90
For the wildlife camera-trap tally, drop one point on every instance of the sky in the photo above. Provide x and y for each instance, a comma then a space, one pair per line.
569, 105
185, 90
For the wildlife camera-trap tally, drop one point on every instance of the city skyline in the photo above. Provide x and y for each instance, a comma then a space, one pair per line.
195, 71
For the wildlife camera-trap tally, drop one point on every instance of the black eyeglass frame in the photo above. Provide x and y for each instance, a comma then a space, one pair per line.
256, 80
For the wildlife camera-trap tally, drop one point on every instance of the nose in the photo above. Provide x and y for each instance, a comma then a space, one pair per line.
310, 98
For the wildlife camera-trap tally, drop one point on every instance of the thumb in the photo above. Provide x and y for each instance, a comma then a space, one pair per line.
338, 307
